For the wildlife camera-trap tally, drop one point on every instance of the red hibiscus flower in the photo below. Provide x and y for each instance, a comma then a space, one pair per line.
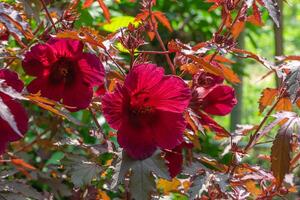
211, 96
13, 118
64, 72
147, 111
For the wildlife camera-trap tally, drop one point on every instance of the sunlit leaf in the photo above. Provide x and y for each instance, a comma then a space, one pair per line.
267, 98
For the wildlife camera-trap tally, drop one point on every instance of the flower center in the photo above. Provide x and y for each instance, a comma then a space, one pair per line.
139, 104
62, 70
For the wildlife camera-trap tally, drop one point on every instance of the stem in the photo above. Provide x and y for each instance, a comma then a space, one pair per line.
48, 15
164, 49
154, 52
161, 43
294, 161
249, 145
118, 66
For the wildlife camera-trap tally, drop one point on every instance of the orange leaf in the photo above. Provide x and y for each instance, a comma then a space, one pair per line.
102, 195
207, 66
168, 186
267, 98
190, 68
105, 10
163, 19
151, 35
85, 35
142, 16
237, 28
298, 103
87, 3
21, 163
230, 75
219, 59
284, 104
252, 187
255, 18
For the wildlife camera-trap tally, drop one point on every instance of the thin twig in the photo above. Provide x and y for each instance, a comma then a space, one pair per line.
172, 68
48, 15
118, 66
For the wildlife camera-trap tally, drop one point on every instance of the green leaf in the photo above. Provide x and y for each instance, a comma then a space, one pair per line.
119, 22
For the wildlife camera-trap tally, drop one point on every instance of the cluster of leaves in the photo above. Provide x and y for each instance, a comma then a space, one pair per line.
76, 155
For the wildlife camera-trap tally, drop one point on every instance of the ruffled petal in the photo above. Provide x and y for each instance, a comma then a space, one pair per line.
11, 79
137, 141
92, 69
171, 94
143, 77
67, 48
219, 101
114, 105
48, 90
169, 129
38, 60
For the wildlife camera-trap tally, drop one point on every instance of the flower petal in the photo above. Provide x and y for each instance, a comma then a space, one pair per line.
77, 96
169, 129
48, 90
67, 48
92, 69
113, 106
137, 141
38, 60
220, 100
143, 77
171, 94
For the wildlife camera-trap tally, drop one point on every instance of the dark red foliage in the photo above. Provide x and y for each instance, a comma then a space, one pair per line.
174, 158
147, 110
9, 134
64, 72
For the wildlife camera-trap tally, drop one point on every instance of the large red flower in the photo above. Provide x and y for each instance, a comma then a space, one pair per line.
64, 72
13, 118
147, 110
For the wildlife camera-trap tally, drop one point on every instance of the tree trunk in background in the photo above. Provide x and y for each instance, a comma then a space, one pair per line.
236, 114
278, 34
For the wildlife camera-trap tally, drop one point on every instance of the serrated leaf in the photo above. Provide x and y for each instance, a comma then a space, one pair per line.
198, 186
163, 19
14, 23
82, 170
267, 98
154, 164
141, 182
273, 9
293, 84
32, 8
7, 116
18, 189
280, 153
